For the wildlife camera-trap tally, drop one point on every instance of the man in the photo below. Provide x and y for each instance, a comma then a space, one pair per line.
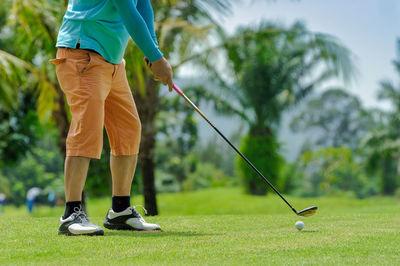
91, 73
2, 202
31, 196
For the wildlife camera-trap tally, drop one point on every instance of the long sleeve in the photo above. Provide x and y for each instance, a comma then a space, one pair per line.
138, 28
146, 10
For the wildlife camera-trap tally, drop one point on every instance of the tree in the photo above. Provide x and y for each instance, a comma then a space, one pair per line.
382, 145
339, 118
7, 94
276, 68
29, 36
263, 152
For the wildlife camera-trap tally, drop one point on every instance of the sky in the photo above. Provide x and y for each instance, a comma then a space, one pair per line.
369, 28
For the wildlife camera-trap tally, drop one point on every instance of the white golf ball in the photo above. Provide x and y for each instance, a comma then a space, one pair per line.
299, 225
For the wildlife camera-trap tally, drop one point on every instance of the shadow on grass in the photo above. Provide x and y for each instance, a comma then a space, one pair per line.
156, 234
308, 231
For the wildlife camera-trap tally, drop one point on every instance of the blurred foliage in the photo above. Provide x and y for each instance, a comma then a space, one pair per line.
339, 118
381, 145
19, 129
177, 133
28, 36
5, 186
41, 167
207, 175
28, 154
179, 154
219, 153
98, 182
332, 171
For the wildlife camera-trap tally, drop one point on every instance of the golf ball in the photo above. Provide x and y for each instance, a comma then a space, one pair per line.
299, 225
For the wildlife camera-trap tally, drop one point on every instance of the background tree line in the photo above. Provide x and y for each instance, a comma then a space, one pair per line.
272, 68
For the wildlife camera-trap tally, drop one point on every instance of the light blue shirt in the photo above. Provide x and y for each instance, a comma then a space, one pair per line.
105, 26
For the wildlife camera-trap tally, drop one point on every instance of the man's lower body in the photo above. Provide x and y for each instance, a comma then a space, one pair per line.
29, 205
98, 95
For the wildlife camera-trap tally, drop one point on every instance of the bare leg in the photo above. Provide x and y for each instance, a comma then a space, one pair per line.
120, 217
122, 170
75, 221
76, 169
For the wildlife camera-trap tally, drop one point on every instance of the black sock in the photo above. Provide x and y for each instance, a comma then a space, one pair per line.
70, 206
120, 203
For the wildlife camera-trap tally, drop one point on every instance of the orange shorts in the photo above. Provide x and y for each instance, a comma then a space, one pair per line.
98, 94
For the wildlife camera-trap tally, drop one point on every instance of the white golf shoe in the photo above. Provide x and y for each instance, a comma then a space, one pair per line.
129, 219
78, 224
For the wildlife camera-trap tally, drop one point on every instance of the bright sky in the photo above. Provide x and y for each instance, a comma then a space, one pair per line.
369, 28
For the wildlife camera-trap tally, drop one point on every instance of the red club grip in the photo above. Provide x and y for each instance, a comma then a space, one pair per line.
176, 88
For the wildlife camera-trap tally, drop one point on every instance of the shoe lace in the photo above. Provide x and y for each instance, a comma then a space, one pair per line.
81, 215
137, 213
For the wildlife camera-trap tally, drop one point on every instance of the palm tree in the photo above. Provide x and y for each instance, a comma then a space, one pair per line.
276, 68
382, 145
31, 32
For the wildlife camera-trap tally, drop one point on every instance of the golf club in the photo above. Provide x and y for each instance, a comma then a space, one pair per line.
304, 213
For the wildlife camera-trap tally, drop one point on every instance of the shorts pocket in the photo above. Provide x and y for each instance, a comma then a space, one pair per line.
57, 61
80, 65
83, 65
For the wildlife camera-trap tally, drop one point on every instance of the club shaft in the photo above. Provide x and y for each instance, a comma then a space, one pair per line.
233, 146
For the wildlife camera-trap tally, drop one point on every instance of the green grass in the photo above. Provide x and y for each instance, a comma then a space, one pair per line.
218, 226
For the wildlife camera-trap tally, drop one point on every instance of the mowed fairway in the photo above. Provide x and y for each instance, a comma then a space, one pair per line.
218, 226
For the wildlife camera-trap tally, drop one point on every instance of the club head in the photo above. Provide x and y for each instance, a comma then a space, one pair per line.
308, 211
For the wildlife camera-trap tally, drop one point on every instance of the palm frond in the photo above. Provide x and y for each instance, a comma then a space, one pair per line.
13, 72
